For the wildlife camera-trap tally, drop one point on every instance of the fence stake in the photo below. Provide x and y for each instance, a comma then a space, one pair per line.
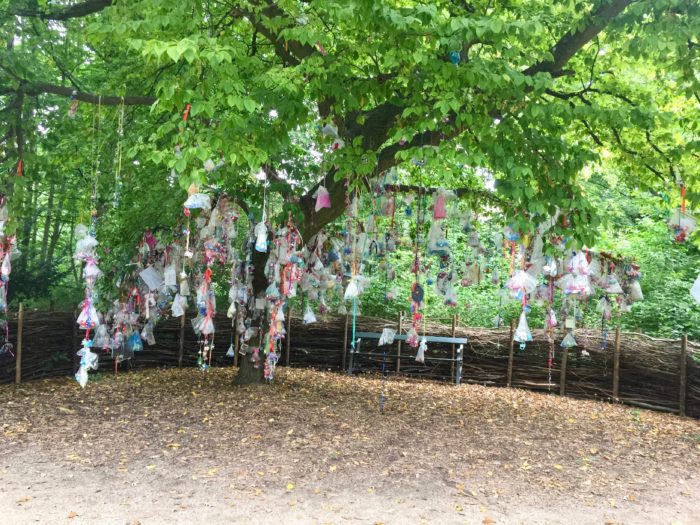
509, 377
616, 367
683, 372
75, 341
454, 348
398, 343
18, 356
289, 335
562, 376
182, 340
345, 341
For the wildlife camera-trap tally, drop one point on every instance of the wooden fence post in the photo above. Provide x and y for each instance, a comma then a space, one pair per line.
18, 355
75, 341
683, 372
289, 336
562, 375
345, 341
181, 351
454, 348
616, 366
398, 343
509, 377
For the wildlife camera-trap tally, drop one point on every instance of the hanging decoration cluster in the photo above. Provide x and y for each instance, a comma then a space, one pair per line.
8, 252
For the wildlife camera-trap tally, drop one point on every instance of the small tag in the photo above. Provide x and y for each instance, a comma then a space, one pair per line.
570, 323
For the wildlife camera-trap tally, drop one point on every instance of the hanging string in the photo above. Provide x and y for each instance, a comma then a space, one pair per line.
118, 155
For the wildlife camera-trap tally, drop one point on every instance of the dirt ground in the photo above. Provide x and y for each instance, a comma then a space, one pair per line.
182, 446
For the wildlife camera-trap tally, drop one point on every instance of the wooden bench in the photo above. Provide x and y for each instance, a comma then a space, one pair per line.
458, 360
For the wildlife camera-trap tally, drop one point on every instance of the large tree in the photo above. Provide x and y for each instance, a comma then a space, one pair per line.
529, 91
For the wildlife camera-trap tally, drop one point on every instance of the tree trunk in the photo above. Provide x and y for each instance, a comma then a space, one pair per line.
247, 373
47, 225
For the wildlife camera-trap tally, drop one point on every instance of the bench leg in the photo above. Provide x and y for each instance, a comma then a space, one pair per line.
460, 361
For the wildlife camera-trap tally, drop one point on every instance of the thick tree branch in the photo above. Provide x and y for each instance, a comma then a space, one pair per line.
82, 9
105, 100
573, 41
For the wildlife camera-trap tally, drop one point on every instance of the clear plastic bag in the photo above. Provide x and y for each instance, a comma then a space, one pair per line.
412, 337
102, 339
352, 291
323, 198
198, 201
437, 242
634, 292
179, 305
682, 224
387, 337
261, 237
5, 268
230, 352
578, 264
147, 333
550, 319
520, 284
422, 347
309, 316
569, 341
88, 318
522, 332
231, 312
605, 308
612, 286
170, 276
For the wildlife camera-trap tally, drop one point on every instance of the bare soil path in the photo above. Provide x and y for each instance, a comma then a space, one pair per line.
181, 446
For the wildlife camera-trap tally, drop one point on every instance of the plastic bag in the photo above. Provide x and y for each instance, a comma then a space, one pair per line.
147, 333
206, 325
260, 237
634, 292
152, 278
91, 272
231, 312
230, 352
578, 264
179, 305
412, 337
88, 318
323, 198
682, 224
387, 337
198, 201
392, 293
422, 347
102, 339
550, 319
520, 284
605, 308
352, 291
522, 332
6, 268
134, 342
85, 248
437, 243
612, 286
170, 275
569, 341
439, 206
184, 285
579, 285
309, 316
